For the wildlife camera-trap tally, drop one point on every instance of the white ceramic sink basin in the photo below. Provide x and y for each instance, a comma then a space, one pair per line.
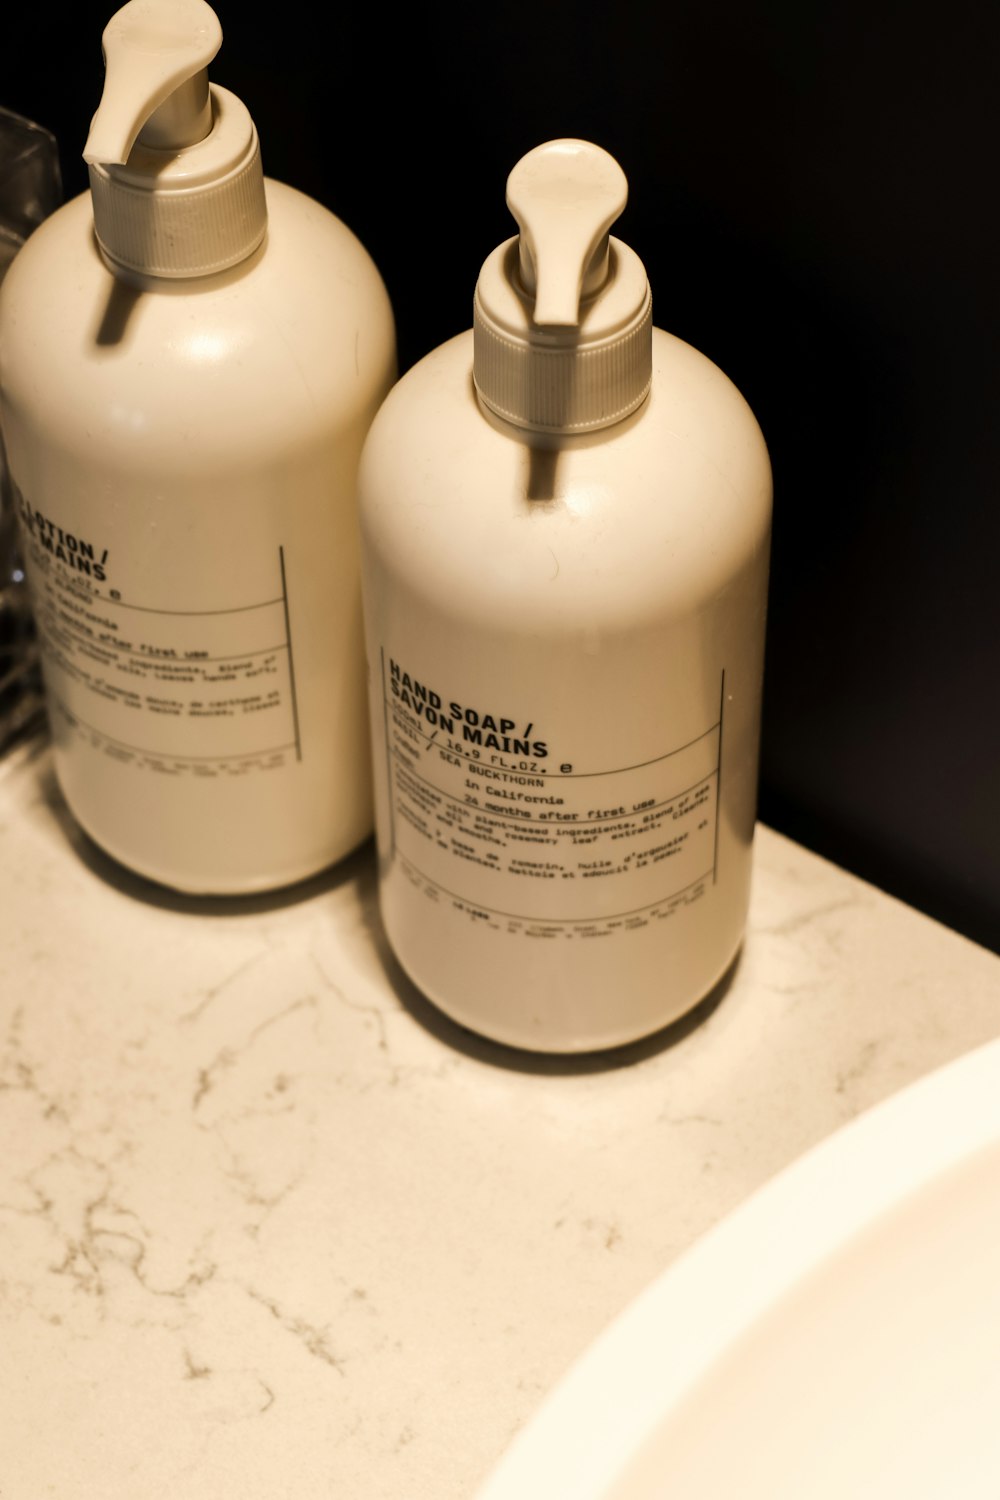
836, 1336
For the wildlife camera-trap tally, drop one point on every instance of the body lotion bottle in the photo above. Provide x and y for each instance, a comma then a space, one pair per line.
190, 357
565, 534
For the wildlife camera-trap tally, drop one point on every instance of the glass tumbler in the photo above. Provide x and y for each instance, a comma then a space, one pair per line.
30, 188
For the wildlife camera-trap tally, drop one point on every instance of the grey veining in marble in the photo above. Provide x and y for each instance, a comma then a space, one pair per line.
270, 1227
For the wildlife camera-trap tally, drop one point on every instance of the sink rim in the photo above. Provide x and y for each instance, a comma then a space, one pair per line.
667, 1340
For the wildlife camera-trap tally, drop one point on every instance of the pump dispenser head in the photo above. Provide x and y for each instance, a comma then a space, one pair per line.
175, 170
563, 315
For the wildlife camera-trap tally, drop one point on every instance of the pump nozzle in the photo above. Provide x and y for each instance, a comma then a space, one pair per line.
175, 171
156, 82
562, 316
565, 196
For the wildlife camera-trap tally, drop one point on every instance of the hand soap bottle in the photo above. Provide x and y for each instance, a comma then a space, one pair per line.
190, 357
565, 520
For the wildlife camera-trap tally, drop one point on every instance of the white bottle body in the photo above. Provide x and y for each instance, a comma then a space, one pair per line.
186, 455
574, 873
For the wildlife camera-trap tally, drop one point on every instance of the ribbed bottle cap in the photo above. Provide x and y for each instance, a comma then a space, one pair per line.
175, 170
562, 316
190, 212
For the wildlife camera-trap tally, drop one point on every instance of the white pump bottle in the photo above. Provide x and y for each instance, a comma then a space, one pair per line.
190, 357
565, 532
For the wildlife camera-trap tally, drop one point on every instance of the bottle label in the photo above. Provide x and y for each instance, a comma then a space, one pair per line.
488, 813
190, 691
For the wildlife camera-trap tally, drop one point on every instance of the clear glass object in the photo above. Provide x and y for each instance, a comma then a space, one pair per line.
30, 188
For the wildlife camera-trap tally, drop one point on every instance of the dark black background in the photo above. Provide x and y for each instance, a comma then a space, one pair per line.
812, 192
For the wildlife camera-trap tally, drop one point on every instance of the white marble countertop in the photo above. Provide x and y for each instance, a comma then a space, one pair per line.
270, 1227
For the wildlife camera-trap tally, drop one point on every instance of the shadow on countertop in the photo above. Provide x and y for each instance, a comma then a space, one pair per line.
518, 1059
138, 888
359, 869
